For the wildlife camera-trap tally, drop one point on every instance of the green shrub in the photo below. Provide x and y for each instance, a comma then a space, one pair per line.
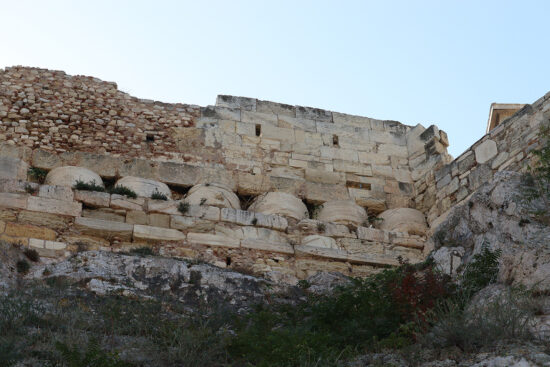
142, 251
321, 227
22, 266
30, 189
37, 174
203, 201
481, 271
123, 190
183, 207
93, 356
88, 186
158, 196
32, 255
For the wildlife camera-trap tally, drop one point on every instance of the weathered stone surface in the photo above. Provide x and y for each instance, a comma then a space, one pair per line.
27, 230
319, 241
191, 223
406, 220
16, 201
335, 254
104, 214
136, 217
212, 195
13, 168
149, 233
144, 187
486, 151
54, 206
53, 221
372, 234
212, 240
124, 202
258, 244
93, 199
343, 212
104, 228
448, 259
280, 203
247, 218
56, 192
69, 175
158, 220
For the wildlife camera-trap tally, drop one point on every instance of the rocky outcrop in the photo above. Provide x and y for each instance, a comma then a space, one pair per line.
498, 216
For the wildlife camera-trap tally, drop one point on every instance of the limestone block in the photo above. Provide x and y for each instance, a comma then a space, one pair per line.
56, 192
212, 195
372, 259
54, 206
319, 241
179, 174
248, 218
249, 184
144, 187
104, 214
409, 242
55, 245
161, 206
136, 217
258, 244
36, 243
159, 220
343, 212
486, 151
69, 175
27, 230
319, 193
406, 220
263, 234
48, 220
150, 233
374, 201
94, 199
191, 223
280, 203
13, 168
104, 228
124, 202
372, 234
16, 201
330, 253
212, 240
322, 176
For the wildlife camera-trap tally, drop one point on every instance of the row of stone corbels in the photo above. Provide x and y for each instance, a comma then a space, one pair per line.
57, 200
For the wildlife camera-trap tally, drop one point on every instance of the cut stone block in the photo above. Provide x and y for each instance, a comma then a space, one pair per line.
124, 202
159, 220
27, 230
136, 217
212, 240
261, 245
406, 220
69, 175
187, 223
104, 214
319, 241
56, 192
150, 233
104, 228
248, 218
13, 168
335, 254
16, 201
486, 151
94, 199
54, 206
55, 245
372, 234
144, 187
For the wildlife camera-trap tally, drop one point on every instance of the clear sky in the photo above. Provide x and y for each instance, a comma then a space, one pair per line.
428, 62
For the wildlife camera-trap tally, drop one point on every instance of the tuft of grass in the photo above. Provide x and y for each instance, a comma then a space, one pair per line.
22, 266
158, 196
88, 186
321, 227
254, 221
32, 255
183, 208
203, 201
37, 174
30, 189
123, 190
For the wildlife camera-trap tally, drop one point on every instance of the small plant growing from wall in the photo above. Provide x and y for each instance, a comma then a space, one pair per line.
203, 201
32, 255
30, 189
88, 186
158, 196
183, 208
254, 221
321, 227
123, 190
37, 174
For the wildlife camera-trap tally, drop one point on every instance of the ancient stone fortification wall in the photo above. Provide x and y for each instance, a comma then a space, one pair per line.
507, 147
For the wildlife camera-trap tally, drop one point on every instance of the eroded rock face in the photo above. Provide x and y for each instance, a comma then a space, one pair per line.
144, 187
497, 216
280, 203
343, 212
406, 220
69, 175
213, 195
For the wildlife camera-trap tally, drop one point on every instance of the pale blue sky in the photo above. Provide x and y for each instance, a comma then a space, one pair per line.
440, 62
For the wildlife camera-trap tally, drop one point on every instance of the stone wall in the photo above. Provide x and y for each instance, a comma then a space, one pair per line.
506, 147
250, 145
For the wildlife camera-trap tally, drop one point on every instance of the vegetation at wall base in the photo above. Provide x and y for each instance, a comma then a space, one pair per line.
158, 196
123, 190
